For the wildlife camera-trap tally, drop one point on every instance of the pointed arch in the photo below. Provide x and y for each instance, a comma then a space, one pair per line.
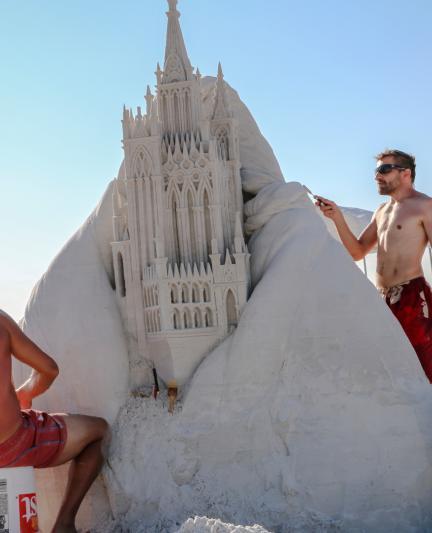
187, 319
231, 308
177, 319
195, 293
221, 135
174, 204
142, 164
197, 318
121, 275
153, 203
192, 231
164, 109
174, 294
185, 293
177, 126
206, 292
187, 110
208, 318
207, 221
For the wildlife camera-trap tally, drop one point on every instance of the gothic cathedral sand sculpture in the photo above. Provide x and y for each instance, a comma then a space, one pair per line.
310, 411
180, 261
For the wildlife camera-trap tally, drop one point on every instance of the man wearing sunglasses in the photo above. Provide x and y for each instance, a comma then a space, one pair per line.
400, 229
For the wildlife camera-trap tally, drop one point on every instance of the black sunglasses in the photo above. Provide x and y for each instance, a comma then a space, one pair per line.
387, 167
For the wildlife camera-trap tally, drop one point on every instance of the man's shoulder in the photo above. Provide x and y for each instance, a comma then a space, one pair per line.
423, 201
4, 331
381, 208
423, 196
4, 320
6, 324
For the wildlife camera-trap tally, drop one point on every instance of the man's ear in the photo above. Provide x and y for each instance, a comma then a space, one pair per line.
407, 173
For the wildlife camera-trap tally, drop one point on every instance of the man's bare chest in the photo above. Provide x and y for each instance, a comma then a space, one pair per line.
398, 224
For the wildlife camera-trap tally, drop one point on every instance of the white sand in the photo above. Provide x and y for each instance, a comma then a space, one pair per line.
314, 415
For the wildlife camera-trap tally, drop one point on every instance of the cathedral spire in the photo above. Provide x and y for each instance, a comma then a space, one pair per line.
177, 66
221, 107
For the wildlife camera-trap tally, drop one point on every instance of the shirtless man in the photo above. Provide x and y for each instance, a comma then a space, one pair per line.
33, 438
401, 229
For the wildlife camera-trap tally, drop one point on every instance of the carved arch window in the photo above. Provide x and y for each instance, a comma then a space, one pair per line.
185, 293
197, 318
191, 202
173, 69
164, 108
206, 292
223, 143
177, 118
187, 319
173, 206
142, 165
208, 318
231, 308
174, 294
195, 293
207, 220
177, 319
187, 110
121, 275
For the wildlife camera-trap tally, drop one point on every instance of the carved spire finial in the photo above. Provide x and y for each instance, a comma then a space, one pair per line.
149, 99
172, 6
177, 66
221, 107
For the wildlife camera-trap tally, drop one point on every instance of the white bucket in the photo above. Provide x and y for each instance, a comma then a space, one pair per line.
18, 510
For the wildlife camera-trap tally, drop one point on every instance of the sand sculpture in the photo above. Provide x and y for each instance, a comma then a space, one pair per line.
313, 414
181, 266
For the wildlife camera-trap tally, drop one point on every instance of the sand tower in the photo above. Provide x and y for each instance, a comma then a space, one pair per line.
180, 260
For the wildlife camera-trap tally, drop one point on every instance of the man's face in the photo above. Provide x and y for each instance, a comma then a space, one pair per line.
388, 183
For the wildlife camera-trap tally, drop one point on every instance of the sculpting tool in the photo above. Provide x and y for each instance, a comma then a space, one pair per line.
314, 196
156, 384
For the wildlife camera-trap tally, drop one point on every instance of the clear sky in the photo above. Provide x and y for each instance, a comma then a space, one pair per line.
330, 83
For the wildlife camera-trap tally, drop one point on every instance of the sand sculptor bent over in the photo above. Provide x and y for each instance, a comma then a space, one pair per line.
33, 438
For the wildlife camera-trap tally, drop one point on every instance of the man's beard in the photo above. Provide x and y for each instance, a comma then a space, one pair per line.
388, 188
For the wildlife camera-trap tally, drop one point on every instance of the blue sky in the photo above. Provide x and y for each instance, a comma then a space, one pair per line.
330, 83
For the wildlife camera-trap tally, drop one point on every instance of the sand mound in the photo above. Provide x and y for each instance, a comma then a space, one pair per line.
314, 413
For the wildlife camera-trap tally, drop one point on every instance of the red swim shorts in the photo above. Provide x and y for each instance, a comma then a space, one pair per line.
38, 442
411, 303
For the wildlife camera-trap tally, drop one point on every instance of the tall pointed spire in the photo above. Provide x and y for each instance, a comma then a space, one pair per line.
177, 66
149, 100
221, 107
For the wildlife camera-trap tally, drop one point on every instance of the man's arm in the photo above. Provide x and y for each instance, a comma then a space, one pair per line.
357, 247
427, 220
45, 369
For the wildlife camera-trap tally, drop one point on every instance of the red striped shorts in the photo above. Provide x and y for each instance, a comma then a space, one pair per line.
37, 442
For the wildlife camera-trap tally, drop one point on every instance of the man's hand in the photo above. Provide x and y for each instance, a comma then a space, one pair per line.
45, 369
329, 209
36, 384
24, 398
357, 247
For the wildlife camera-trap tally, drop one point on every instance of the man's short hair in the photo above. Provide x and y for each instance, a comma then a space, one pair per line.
402, 158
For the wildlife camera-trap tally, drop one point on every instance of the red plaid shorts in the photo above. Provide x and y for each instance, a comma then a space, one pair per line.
411, 303
37, 442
